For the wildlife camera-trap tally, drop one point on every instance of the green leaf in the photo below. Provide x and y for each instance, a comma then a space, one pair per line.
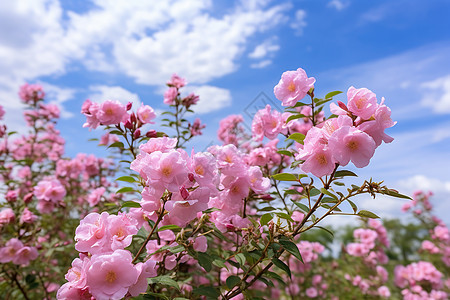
177, 249
314, 192
117, 144
342, 173
326, 206
208, 291
165, 280
353, 205
298, 137
367, 214
327, 192
126, 189
265, 219
332, 94
326, 229
291, 248
298, 104
232, 281
240, 258
294, 117
118, 132
276, 277
219, 263
267, 208
284, 216
285, 152
302, 206
169, 227
126, 179
130, 204
285, 177
396, 194
205, 261
282, 266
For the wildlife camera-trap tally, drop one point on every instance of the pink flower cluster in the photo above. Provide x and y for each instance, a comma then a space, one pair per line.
50, 193
31, 93
14, 251
112, 112
293, 86
352, 136
171, 96
231, 130
190, 180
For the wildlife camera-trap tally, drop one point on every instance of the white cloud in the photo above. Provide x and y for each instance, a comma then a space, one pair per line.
262, 50
299, 22
437, 95
338, 4
211, 98
100, 93
261, 64
58, 96
424, 183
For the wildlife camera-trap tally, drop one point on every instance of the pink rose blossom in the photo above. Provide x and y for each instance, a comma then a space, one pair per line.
176, 81
293, 86
111, 112
146, 114
361, 102
170, 96
27, 216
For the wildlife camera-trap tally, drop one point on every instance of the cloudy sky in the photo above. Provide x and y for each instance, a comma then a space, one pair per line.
232, 54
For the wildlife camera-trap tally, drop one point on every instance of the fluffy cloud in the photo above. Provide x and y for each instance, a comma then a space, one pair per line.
338, 4
211, 98
100, 93
437, 95
299, 22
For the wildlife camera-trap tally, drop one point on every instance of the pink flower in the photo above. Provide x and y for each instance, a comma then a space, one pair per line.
111, 112
267, 123
146, 114
95, 196
361, 102
9, 252
107, 139
91, 235
77, 273
24, 255
293, 86
69, 292
196, 127
146, 270
230, 130
170, 95
30, 93
110, 275
163, 144
349, 143
311, 292
176, 81
2, 112
321, 162
27, 216
201, 244
6, 216
50, 190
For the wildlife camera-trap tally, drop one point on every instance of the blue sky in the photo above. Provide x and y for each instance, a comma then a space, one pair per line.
230, 52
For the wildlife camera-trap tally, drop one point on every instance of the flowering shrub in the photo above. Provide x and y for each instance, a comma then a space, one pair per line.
228, 223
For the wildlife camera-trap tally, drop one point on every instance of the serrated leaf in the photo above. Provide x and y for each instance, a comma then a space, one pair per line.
282, 266
298, 137
126, 179
367, 214
265, 219
314, 192
208, 291
294, 117
302, 206
332, 94
169, 227
342, 173
232, 281
165, 280
291, 248
285, 177
327, 192
285, 152
240, 258
116, 144
396, 194
131, 204
205, 261
126, 189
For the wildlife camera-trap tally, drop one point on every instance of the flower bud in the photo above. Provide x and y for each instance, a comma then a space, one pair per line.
27, 198
133, 118
137, 134
184, 193
191, 177
151, 133
128, 124
129, 105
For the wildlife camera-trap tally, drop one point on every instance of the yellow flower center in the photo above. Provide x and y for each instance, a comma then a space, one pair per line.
110, 276
166, 171
321, 159
199, 170
352, 145
291, 87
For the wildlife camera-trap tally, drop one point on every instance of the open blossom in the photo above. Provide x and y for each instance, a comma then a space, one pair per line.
293, 86
230, 129
361, 102
111, 112
110, 275
146, 114
267, 123
6, 216
176, 81
50, 190
27, 216
196, 127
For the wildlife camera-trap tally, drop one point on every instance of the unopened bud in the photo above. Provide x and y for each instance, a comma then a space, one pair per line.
191, 177
342, 105
184, 193
128, 124
266, 197
133, 118
151, 133
27, 198
137, 134
230, 227
129, 105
